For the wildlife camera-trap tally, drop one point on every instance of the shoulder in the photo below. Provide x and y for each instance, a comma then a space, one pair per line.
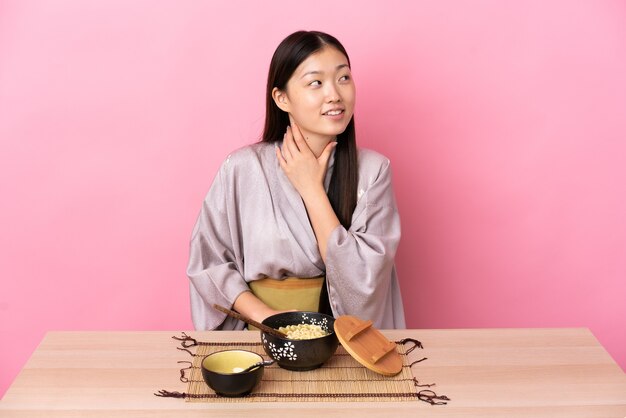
375, 186
372, 165
248, 157
370, 158
249, 153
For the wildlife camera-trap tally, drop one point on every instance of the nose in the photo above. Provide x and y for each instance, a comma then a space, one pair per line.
332, 95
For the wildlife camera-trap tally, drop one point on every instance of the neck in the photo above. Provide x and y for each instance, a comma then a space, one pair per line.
317, 143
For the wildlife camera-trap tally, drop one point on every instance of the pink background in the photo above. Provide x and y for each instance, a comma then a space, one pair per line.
505, 122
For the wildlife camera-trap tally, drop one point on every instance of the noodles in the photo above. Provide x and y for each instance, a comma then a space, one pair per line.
303, 331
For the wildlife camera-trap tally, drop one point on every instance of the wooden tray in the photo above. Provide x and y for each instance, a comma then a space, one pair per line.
367, 345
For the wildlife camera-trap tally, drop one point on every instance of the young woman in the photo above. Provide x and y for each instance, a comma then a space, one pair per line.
303, 220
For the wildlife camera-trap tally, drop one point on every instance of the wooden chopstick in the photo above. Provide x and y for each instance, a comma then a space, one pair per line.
236, 315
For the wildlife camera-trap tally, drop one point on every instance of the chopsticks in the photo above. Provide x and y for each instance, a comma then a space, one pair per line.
252, 322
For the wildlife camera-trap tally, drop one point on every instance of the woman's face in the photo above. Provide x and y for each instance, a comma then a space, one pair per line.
320, 84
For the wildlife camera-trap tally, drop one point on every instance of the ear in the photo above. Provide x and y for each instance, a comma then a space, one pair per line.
281, 99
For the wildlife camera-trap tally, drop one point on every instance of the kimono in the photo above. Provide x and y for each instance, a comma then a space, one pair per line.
253, 224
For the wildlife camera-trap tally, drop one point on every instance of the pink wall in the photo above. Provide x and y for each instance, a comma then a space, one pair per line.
505, 123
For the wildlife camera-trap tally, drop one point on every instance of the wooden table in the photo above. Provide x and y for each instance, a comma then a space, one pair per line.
487, 373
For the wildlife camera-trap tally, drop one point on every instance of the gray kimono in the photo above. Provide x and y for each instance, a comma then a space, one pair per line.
253, 224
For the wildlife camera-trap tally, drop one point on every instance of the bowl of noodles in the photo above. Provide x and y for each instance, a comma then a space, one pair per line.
310, 341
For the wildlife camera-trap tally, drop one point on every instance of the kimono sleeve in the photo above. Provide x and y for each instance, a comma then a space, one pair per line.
214, 267
360, 268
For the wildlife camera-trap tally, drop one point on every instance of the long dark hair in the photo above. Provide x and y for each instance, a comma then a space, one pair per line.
288, 56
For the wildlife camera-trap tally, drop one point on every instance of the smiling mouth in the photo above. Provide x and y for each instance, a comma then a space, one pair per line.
333, 112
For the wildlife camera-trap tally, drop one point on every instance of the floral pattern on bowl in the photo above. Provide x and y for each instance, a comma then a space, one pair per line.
286, 351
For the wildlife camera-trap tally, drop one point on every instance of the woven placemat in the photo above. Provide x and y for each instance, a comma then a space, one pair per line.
341, 378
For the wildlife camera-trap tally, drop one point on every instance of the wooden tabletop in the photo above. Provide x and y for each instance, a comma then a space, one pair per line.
486, 373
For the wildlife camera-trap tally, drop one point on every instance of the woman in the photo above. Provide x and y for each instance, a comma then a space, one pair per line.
303, 219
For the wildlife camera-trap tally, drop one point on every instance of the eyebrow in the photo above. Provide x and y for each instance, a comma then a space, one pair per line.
340, 66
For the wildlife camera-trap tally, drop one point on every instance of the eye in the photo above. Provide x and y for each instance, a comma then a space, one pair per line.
346, 77
316, 81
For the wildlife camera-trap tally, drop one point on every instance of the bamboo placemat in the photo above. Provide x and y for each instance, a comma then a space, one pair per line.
341, 378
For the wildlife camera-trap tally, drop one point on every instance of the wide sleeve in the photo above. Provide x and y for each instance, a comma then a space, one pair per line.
360, 271
215, 261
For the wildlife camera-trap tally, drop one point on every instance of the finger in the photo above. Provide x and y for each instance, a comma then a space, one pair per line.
298, 138
301, 143
286, 151
295, 130
279, 155
328, 150
290, 143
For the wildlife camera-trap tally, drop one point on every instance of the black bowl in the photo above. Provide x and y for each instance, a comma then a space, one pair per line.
300, 355
219, 371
